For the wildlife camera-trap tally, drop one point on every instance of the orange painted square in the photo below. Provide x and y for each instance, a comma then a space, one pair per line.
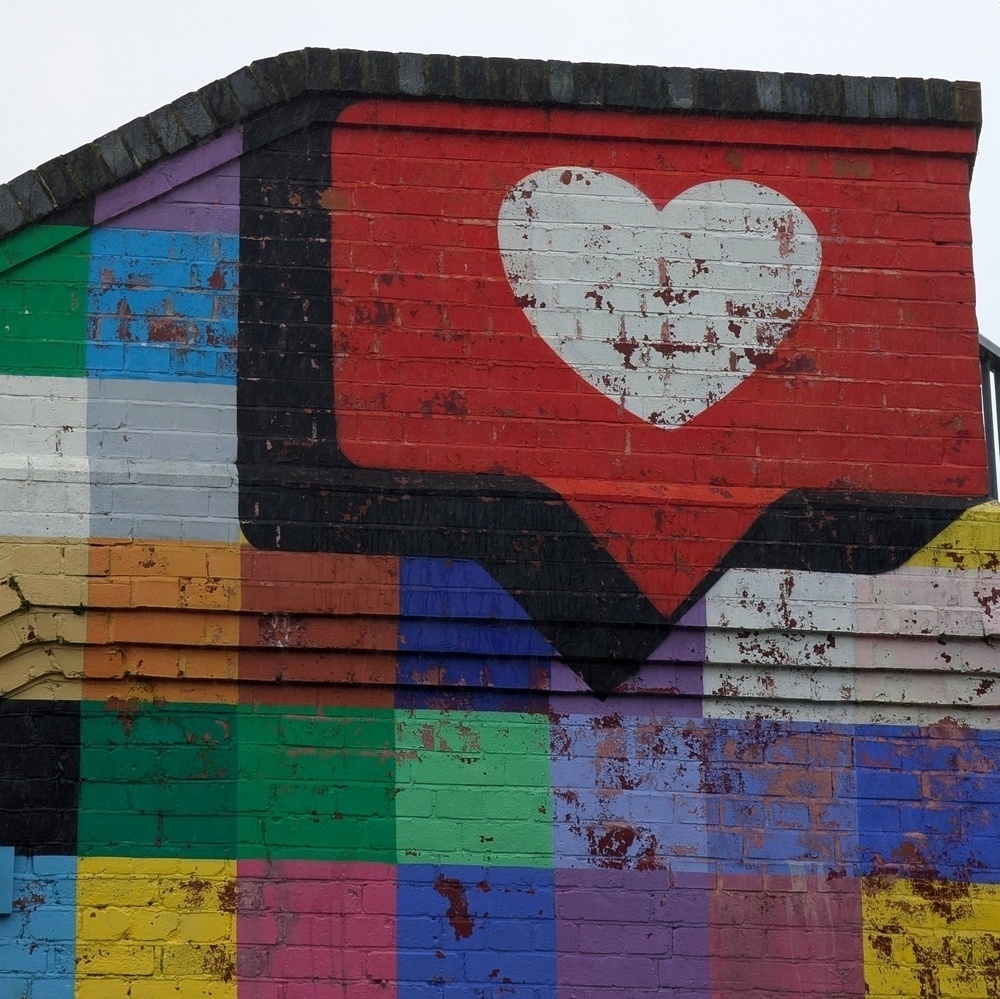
164, 621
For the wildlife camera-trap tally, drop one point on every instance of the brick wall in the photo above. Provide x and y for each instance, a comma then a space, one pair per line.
483, 549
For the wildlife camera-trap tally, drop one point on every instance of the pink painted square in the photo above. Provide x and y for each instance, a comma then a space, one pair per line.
786, 937
316, 929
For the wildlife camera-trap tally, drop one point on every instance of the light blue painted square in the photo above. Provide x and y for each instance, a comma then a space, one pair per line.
163, 305
37, 939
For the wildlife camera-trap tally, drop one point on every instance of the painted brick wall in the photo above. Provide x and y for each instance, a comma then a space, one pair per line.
458, 549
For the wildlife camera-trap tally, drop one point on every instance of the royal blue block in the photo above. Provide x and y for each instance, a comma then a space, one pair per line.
952, 829
889, 785
789, 811
457, 623
466, 931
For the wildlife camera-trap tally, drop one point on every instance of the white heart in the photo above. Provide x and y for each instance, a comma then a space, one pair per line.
663, 311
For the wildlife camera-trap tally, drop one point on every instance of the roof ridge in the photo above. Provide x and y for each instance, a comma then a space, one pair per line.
78, 176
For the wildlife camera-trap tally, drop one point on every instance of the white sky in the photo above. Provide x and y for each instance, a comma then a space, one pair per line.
71, 70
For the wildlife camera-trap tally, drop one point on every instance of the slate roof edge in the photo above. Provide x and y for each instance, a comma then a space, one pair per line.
82, 174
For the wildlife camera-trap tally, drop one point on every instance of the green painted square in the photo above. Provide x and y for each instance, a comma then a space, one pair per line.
317, 784
43, 301
473, 788
157, 780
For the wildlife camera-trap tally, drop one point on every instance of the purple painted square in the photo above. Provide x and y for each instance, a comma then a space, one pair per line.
195, 191
633, 933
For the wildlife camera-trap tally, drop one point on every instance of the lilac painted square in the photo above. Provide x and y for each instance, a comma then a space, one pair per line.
316, 928
633, 933
626, 789
476, 931
782, 937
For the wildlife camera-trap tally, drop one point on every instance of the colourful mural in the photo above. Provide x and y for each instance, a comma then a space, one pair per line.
463, 550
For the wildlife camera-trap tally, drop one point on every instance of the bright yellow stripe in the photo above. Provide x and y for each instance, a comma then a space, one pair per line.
972, 542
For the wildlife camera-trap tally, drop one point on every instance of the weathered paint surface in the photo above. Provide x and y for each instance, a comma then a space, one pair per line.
344, 469
665, 312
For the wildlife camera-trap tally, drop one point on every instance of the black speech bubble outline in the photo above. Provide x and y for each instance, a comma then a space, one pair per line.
299, 492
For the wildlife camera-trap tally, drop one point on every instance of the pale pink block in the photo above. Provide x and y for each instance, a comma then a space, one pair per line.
800, 937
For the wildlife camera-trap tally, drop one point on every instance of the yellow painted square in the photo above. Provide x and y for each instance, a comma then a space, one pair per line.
930, 937
155, 928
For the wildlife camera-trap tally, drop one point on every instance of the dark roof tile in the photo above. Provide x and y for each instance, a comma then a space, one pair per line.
32, 195
680, 88
166, 126
411, 73
12, 215
116, 154
140, 141
855, 97
60, 184
884, 97
78, 177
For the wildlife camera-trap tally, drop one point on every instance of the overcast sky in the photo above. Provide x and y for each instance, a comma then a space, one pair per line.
71, 70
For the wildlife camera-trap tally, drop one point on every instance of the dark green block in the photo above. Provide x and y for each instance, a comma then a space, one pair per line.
158, 781
317, 784
44, 276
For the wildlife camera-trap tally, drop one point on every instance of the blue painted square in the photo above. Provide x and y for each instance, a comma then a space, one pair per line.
465, 931
464, 642
627, 791
162, 305
929, 802
37, 939
787, 796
